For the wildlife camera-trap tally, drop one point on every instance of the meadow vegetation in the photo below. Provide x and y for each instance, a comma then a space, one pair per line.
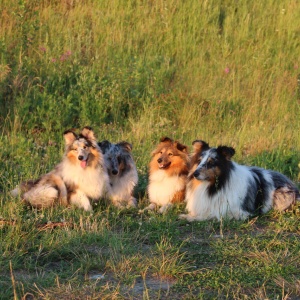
227, 72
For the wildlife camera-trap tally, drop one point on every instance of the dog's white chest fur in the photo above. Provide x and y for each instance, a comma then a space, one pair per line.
226, 202
122, 187
162, 187
91, 181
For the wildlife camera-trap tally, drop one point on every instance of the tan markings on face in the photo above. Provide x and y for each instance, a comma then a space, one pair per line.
94, 157
121, 166
212, 174
72, 156
178, 166
217, 171
176, 161
194, 183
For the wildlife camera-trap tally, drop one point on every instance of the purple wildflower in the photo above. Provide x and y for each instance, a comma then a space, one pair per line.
43, 49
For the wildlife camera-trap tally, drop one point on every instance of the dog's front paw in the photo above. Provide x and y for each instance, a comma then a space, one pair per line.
152, 206
63, 201
165, 208
187, 217
132, 203
182, 217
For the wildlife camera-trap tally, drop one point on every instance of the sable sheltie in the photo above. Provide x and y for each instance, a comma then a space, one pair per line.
122, 173
220, 188
168, 170
79, 178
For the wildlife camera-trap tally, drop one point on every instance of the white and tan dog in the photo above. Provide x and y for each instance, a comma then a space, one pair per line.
80, 177
168, 170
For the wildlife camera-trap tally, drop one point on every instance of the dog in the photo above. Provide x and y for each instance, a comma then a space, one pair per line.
220, 188
168, 170
81, 176
122, 172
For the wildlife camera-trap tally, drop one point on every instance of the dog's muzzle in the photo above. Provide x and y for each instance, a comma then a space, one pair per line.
83, 162
114, 172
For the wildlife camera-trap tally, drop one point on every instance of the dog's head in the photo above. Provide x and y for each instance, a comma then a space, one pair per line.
117, 156
209, 164
169, 154
82, 148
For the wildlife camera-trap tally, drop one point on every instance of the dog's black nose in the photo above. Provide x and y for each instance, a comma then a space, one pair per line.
196, 173
159, 160
80, 157
115, 172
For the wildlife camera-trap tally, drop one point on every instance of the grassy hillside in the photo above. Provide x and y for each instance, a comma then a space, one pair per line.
224, 71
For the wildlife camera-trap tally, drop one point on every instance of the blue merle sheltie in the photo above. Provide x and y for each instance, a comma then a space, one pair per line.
220, 188
122, 172
81, 176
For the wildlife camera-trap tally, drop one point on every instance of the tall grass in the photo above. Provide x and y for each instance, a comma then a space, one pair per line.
223, 71
220, 70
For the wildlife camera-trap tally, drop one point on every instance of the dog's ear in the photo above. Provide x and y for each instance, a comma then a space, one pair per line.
165, 139
125, 145
104, 146
225, 151
181, 147
200, 146
88, 133
70, 136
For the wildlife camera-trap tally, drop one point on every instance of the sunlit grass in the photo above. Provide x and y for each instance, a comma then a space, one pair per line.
226, 72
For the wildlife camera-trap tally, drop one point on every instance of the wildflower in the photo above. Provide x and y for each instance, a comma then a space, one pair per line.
68, 53
65, 55
53, 60
227, 70
42, 48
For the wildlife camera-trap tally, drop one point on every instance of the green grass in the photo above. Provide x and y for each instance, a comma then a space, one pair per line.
226, 72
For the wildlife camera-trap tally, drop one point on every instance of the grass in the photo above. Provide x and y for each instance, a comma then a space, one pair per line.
117, 254
225, 72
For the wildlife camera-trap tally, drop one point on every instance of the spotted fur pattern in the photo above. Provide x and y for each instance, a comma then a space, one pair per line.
80, 176
122, 172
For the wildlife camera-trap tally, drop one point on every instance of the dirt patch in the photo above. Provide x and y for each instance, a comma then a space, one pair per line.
148, 286
152, 284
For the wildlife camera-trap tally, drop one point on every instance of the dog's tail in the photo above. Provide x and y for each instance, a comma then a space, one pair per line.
16, 192
23, 188
41, 196
44, 192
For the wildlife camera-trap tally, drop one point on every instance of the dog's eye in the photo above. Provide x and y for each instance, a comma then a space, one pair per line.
210, 163
170, 154
84, 147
